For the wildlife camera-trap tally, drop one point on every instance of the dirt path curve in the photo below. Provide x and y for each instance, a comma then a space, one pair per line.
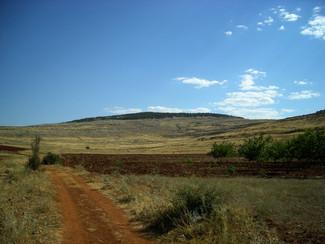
88, 216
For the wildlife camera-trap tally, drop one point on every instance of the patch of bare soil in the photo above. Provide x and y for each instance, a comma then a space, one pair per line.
88, 216
12, 149
191, 164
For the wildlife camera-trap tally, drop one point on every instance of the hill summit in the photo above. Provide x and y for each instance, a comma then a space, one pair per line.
153, 115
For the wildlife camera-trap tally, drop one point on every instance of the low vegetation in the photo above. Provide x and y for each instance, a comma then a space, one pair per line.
220, 210
27, 207
307, 146
51, 158
224, 149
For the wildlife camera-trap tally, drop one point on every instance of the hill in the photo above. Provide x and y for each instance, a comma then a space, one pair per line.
152, 115
153, 132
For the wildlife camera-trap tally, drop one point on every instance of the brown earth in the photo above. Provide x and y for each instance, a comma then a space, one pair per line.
191, 164
88, 216
11, 148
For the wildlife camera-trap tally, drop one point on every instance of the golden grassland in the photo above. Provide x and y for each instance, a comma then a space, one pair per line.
253, 210
171, 135
28, 211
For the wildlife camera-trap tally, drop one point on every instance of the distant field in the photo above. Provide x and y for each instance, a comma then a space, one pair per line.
167, 135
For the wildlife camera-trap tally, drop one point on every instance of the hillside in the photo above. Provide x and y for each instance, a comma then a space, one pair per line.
181, 133
152, 115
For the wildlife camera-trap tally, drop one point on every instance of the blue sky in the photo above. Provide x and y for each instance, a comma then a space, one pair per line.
63, 60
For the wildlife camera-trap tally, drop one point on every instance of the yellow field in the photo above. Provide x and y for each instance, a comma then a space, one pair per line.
170, 135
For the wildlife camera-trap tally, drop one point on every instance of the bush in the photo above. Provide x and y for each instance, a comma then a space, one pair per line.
189, 204
253, 148
310, 145
34, 161
222, 150
51, 158
276, 150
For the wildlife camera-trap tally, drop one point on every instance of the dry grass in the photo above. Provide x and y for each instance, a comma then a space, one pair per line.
27, 208
253, 209
174, 135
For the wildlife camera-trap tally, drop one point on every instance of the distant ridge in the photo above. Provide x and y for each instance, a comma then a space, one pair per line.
152, 115
320, 113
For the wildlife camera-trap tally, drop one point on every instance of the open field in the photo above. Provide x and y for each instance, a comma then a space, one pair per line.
266, 210
168, 135
131, 161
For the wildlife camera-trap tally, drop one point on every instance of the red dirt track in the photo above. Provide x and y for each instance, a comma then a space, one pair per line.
190, 164
88, 216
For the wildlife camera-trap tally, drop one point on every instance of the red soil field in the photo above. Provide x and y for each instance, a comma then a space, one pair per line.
11, 148
191, 164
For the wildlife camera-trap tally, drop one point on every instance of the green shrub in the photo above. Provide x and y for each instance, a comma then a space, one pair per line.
276, 150
51, 158
253, 148
223, 149
310, 145
189, 161
231, 169
34, 161
189, 204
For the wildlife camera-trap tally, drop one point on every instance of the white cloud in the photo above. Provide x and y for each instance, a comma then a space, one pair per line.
243, 27
287, 16
199, 110
301, 82
281, 28
228, 33
259, 29
268, 21
122, 110
305, 94
287, 110
316, 10
316, 27
163, 109
248, 79
251, 99
198, 82
253, 113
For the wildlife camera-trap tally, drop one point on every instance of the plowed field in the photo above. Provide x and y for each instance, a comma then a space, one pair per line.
191, 164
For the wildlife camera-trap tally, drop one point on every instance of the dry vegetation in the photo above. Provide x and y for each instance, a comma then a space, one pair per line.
250, 210
28, 212
244, 210
170, 135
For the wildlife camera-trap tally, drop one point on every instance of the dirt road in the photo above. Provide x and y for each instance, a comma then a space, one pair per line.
88, 216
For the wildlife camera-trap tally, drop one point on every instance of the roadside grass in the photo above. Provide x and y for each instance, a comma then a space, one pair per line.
27, 208
253, 210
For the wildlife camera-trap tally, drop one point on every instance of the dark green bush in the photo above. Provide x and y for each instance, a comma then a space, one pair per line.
34, 161
253, 148
189, 204
275, 150
310, 145
51, 158
231, 169
224, 149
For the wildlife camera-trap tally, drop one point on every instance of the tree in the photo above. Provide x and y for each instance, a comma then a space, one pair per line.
34, 161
